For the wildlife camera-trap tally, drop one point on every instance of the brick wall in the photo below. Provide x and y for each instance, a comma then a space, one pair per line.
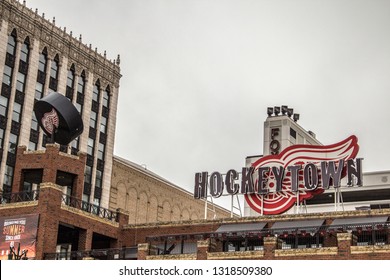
149, 198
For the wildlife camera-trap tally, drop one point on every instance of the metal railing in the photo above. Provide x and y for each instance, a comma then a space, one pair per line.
90, 208
128, 253
19, 197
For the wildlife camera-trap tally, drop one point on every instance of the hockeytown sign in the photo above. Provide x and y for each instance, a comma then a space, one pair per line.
274, 183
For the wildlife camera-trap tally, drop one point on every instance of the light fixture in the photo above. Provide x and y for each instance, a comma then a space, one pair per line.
296, 117
290, 112
284, 109
277, 110
270, 111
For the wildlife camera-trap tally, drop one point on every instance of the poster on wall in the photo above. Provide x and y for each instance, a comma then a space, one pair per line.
18, 231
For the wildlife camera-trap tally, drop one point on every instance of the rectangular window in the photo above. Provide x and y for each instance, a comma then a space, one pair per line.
21, 79
98, 181
95, 94
88, 174
101, 149
3, 105
1, 137
54, 69
38, 91
7, 76
103, 124
13, 143
16, 112
93, 119
24, 53
90, 148
32, 146
34, 122
106, 99
42, 63
8, 175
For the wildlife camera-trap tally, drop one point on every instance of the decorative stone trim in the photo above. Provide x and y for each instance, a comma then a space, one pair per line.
370, 249
172, 257
19, 204
344, 236
240, 255
306, 252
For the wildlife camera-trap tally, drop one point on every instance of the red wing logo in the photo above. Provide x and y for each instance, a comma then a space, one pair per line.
278, 202
50, 121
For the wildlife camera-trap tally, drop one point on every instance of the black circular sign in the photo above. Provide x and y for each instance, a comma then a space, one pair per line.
58, 118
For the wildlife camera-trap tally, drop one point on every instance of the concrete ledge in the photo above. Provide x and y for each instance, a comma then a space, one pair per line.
307, 252
244, 255
172, 257
19, 204
370, 249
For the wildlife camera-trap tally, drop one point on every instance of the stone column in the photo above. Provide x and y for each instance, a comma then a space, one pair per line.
344, 243
143, 251
270, 245
202, 249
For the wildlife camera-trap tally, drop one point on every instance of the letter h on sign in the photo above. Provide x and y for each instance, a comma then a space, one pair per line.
200, 190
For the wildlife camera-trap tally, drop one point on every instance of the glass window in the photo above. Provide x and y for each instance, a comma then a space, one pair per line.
93, 119
95, 95
78, 107
101, 149
7, 76
88, 174
98, 181
42, 63
13, 143
91, 144
32, 146
24, 52
16, 112
85, 198
11, 45
8, 175
103, 124
3, 105
54, 69
80, 84
70, 80
1, 137
20, 82
38, 91
106, 99
34, 122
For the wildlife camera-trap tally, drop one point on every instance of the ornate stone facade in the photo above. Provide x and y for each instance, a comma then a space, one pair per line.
150, 198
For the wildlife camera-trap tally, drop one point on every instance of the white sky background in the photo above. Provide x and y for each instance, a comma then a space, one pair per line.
199, 75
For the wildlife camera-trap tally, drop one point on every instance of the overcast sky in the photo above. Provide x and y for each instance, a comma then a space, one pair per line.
198, 75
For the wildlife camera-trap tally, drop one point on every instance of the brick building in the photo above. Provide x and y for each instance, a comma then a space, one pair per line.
149, 198
36, 58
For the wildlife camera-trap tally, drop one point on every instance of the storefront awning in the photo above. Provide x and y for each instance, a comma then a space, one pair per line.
241, 227
359, 221
298, 225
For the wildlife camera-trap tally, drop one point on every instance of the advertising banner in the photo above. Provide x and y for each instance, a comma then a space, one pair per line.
18, 232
